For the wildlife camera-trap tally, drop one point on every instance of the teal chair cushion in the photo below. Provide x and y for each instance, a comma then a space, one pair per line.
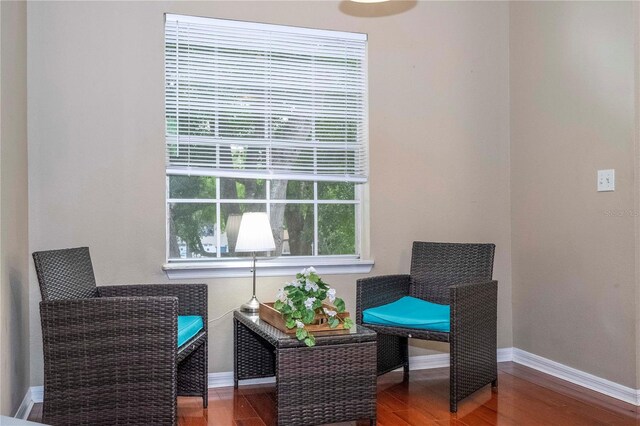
410, 312
188, 326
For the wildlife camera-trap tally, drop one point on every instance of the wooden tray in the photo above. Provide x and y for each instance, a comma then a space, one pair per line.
269, 314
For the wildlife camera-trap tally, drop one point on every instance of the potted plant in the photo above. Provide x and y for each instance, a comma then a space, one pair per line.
302, 302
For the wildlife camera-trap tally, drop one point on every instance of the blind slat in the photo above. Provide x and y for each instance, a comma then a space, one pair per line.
259, 100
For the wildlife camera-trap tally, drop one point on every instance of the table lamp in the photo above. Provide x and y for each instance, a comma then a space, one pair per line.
233, 226
254, 235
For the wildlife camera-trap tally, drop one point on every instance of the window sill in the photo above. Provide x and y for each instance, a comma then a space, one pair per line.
265, 268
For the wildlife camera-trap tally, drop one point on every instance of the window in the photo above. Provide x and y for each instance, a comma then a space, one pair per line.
264, 118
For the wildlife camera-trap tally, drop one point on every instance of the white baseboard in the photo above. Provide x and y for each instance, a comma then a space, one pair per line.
35, 394
578, 377
425, 362
25, 406
225, 379
418, 362
505, 354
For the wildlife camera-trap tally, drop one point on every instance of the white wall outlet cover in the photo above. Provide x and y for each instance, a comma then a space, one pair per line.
606, 180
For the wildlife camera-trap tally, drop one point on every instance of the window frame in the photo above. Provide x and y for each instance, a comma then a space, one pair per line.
220, 266
275, 266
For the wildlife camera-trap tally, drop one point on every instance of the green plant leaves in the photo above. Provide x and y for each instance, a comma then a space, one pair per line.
307, 287
348, 323
302, 334
309, 315
310, 340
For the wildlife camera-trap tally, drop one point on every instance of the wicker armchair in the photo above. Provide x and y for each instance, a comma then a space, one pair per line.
458, 275
110, 352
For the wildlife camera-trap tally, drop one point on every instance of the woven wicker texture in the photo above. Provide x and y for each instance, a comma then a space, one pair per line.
192, 356
65, 274
447, 273
97, 358
395, 350
112, 359
254, 356
437, 266
333, 381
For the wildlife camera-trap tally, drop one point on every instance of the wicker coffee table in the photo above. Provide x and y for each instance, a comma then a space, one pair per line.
333, 381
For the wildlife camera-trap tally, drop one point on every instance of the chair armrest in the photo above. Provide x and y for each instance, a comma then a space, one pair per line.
153, 320
380, 290
192, 298
109, 343
474, 305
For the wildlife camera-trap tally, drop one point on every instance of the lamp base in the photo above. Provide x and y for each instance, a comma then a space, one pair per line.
252, 306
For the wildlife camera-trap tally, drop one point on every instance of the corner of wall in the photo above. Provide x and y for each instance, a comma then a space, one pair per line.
14, 284
636, 183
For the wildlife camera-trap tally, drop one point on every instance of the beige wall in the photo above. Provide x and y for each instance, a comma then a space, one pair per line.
14, 282
439, 138
636, 18
572, 90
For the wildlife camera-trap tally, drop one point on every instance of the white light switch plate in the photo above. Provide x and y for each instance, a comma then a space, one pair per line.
606, 180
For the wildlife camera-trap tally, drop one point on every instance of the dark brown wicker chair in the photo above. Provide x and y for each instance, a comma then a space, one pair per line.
459, 275
110, 352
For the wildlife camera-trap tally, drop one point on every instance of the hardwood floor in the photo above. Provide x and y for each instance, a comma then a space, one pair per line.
524, 397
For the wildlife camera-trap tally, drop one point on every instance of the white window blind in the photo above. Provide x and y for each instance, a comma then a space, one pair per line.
265, 101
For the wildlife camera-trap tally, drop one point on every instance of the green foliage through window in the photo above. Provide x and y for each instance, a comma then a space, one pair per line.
199, 206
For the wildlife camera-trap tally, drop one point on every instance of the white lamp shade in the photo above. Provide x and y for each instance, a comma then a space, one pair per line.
255, 233
233, 226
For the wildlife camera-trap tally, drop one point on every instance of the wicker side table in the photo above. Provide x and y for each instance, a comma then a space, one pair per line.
334, 381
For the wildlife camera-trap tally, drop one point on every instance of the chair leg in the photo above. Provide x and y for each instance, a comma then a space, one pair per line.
453, 406
205, 396
405, 356
192, 375
494, 384
205, 371
391, 352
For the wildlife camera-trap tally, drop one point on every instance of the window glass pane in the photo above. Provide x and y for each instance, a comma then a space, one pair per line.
291, 190
192, 187
230, 218
336, 229
336, 191
192, 230
297, 232
243, 189
193, 225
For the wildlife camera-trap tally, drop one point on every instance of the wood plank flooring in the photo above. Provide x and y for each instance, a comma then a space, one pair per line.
524, 397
